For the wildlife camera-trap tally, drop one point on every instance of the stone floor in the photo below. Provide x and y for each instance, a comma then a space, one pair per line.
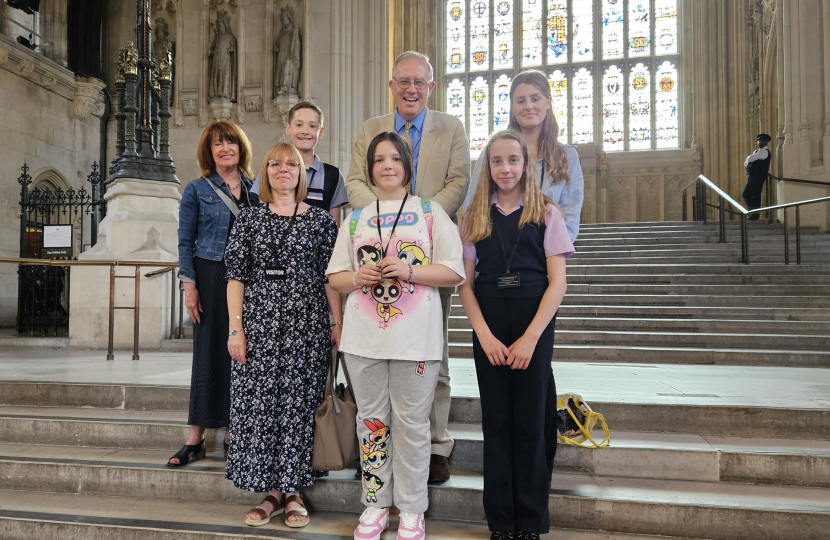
621, 383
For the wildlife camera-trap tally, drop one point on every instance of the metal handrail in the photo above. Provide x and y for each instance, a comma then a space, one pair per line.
173, 334
700, 210
799, 180
162, 268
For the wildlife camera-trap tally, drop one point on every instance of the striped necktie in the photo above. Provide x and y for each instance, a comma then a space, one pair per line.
406, 135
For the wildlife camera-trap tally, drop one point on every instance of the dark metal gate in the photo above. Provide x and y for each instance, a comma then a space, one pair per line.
51, 227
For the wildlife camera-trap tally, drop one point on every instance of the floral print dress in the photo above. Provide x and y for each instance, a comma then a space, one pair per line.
275, 393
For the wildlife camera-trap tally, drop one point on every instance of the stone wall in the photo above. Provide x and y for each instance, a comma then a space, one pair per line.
344, 69
48, 121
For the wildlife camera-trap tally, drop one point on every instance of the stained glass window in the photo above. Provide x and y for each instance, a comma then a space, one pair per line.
501, 108
503, 33
613, 113
455, 99
612, 29
639, 28
559, 101
583, 106
612, 66
479, 35
479, 113
582, 30
532, 32
665, 26
557, 32
456, 36
666, 120
639, 108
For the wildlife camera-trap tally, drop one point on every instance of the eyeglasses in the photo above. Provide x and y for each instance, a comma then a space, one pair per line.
404, 83
292, 165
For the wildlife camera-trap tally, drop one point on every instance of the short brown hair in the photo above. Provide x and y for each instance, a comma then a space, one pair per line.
305, 105
225, 130
400, 145
281, 151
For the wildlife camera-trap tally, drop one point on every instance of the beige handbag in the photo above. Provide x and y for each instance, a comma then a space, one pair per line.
335, 433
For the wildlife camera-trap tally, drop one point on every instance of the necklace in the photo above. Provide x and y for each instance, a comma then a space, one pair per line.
238, 181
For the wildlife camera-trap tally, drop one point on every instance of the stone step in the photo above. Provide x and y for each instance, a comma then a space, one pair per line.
700, 279
635, 505
769, 247
688, 224
25, 515
677, 259
695, 241
648, 268
691, 312
676, 457
674, 355
821, 303
732, 233
676, 325
652, 338
784, 289
33, 410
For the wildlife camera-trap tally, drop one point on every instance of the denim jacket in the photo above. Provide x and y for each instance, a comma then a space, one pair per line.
203, 223
568, 195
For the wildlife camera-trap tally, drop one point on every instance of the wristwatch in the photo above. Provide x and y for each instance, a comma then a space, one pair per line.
234, 332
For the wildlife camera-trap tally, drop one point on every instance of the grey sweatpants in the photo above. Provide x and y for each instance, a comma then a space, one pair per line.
393, 405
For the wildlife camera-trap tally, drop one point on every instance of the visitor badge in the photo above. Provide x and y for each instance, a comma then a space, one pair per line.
275, 273
315, 196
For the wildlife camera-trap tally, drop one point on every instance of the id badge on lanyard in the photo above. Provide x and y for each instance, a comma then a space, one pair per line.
508, 280
276, 271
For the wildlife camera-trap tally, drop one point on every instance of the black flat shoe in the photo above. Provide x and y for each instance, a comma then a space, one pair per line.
188, 453
526, 536
502, 536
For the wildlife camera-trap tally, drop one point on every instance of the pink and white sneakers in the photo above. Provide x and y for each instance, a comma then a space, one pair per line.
411, 527
373, 522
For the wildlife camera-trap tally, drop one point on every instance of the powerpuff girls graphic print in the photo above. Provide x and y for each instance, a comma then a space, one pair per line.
394, 319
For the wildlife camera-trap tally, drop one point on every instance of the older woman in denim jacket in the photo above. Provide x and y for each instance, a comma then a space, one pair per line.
557, 165
206, 215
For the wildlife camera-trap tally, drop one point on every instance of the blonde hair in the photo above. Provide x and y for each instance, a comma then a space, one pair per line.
282, 151
476, 224
549, 148
224, 130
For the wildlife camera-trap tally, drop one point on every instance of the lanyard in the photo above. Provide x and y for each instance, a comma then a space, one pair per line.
391, 234
276, 246
313, 172
507, 259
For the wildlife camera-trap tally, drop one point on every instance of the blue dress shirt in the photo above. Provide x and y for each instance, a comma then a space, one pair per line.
414, 134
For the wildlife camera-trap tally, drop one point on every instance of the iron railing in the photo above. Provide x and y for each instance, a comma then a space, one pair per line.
700, 206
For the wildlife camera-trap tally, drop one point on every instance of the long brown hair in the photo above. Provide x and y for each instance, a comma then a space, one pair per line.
548, 146
283, 150
476, 224
225, 130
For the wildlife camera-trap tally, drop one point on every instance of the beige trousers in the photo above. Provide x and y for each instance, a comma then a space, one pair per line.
439, 415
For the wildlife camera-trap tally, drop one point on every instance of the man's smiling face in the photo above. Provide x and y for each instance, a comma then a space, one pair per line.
409, 100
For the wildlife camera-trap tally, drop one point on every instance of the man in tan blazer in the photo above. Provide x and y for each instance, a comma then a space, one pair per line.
441, 157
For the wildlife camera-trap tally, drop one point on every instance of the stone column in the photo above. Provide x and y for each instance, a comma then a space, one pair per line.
804, 118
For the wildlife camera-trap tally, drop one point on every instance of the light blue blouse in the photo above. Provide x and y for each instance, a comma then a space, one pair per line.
568, 195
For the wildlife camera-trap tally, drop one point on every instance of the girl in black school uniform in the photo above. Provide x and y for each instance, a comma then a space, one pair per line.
515, 246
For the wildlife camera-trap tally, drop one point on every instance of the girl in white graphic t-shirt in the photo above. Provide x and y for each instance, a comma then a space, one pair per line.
390, 258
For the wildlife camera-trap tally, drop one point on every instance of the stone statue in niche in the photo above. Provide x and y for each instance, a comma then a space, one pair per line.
162, 47
222, 60
287, 55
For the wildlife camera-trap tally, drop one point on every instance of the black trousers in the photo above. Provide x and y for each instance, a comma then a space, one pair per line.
513, 402
551, 433
752, 191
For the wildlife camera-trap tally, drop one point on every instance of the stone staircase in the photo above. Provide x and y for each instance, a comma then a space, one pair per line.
86, 461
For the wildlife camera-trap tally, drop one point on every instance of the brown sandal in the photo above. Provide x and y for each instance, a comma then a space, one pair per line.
295, 498
264, 518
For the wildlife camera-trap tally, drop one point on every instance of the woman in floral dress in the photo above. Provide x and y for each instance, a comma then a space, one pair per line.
279, 337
